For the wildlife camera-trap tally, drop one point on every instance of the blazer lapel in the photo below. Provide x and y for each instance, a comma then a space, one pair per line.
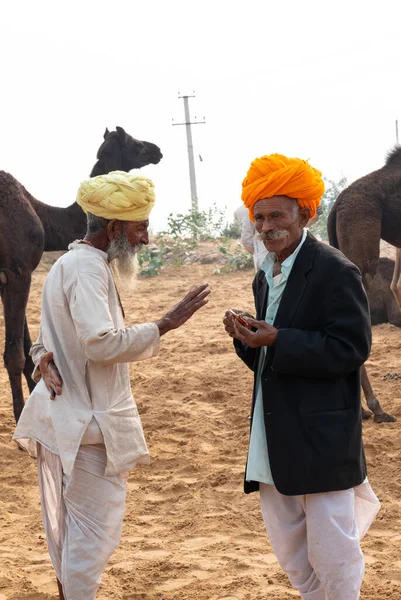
296, 284
262, 294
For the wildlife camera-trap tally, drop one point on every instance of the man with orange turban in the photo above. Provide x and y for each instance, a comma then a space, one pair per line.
309, 339
88, 434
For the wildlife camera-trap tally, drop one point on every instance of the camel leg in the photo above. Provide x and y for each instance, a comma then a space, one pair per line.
15, 298
396, 281
29, 366
372, 402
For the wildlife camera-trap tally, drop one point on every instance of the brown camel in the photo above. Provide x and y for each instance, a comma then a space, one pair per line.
28, 228
383, 305
365, 212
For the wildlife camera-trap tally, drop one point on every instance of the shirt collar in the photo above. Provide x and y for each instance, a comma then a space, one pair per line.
288, 263
79, 245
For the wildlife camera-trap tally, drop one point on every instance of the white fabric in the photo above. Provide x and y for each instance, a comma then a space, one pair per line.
249, 237
82, 324
316, 538
258, 464
82, 515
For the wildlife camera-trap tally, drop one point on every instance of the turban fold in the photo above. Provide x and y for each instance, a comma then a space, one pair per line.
118, 195
277, 175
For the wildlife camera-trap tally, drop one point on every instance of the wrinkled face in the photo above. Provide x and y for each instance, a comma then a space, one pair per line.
137, 233
280, 222
126, 238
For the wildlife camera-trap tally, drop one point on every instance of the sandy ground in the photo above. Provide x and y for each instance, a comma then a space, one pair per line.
190, 532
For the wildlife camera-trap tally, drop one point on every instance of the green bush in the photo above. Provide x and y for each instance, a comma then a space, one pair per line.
197, 225
178, 241
238, 258
150, 261
233, 231
333, 189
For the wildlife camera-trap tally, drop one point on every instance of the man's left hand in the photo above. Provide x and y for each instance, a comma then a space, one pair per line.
264, 336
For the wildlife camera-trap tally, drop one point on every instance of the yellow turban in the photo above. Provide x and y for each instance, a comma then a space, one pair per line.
277, 175
118, 195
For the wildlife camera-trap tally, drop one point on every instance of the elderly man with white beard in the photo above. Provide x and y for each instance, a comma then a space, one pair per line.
88, 434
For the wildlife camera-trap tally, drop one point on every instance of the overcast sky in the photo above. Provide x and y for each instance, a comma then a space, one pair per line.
315, 79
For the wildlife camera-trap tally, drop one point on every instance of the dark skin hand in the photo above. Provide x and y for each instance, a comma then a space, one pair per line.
51, 375
174, 318
265, 334
229, 320
184, 309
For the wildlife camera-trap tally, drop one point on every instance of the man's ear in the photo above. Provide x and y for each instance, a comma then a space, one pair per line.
304, 214
113, 228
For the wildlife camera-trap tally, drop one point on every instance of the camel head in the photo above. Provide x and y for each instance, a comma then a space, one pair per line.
120, 151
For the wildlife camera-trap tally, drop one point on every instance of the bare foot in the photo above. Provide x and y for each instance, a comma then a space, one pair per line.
366, 414
379, 415
384, 418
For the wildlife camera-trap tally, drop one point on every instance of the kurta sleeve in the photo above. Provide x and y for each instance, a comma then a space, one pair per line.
247, 229
37, 352
343, 344
104, 343
247, 235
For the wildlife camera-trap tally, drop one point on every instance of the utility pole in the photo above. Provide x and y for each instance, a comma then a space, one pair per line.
190, 148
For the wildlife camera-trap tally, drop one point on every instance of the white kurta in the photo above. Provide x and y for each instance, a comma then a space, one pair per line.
82, 324
249, 237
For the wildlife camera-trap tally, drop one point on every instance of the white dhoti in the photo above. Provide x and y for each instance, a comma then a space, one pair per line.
82, 516
316, 538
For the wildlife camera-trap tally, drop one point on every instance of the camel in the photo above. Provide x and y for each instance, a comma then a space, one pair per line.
29, 227
383, 305
364, 213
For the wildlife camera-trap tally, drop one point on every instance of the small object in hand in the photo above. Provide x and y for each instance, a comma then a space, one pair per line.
239, 319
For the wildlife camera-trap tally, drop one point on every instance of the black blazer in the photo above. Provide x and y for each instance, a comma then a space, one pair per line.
310, 379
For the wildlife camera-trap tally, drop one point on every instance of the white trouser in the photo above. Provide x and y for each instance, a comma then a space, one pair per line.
82, 516
316, 538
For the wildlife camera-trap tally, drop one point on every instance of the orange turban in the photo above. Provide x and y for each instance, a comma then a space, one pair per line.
277, 175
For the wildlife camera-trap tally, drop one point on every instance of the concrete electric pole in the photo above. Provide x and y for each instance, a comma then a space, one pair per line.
188, 123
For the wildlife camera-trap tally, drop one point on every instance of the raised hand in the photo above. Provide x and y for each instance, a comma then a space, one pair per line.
50, 375
184, 309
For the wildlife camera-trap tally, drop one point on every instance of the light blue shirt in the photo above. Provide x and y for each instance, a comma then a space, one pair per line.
258, 467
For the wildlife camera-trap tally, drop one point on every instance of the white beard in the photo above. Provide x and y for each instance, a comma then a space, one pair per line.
123, 259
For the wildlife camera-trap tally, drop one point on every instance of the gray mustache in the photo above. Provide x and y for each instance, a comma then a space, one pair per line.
137, 248
278, 234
